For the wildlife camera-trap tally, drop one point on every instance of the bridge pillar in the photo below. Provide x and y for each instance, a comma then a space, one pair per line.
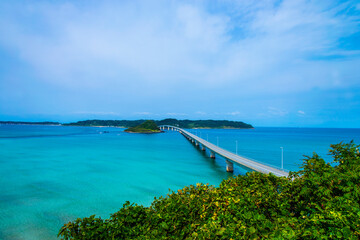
168, 128
229, 166
196, 143
202, 148
212, 154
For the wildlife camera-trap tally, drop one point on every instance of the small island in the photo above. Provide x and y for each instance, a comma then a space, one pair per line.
149, 126
29, 123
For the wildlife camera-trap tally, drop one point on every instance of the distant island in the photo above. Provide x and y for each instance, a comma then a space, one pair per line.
223, 124
149, 126
169, 121
29, 123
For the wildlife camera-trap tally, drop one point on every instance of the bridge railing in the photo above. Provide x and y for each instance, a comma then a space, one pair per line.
229, 156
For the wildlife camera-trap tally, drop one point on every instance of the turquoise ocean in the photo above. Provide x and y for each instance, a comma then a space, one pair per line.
50, 175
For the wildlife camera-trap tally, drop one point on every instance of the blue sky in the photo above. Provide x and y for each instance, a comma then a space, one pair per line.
269, 63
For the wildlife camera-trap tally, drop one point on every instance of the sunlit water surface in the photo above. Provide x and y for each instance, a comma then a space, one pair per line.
50, 175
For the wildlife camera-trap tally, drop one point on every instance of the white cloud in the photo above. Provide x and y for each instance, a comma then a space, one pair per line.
105, 43
235, 113
176, 56
176, 114
143, 113
277, 112
94, 113
301, 112
200, 113
110, 43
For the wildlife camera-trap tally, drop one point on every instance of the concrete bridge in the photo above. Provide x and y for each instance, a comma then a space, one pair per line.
230, 157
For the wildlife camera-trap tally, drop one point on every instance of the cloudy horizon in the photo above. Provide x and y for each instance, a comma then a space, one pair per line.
267, 63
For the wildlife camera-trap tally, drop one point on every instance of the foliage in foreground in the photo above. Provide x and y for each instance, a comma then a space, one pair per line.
321, 201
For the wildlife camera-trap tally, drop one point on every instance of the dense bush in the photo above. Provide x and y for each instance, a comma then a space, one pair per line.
321, 201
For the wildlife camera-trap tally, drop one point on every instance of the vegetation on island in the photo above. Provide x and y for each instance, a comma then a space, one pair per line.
133, 123
204, 123
29, 123
321, 201
107, 123
148, 126
168, 121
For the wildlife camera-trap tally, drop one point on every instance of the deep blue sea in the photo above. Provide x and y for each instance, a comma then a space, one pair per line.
50, 175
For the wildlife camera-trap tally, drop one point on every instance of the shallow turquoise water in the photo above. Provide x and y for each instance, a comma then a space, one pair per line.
50, 175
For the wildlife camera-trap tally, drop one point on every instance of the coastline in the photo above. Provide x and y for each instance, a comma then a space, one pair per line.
220, 128
144, 132
185, 123
101, 126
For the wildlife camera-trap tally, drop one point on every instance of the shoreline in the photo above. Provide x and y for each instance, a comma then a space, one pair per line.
101, 126
144, 132
183, 128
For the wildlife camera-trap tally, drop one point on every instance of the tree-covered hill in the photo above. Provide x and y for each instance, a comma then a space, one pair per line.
321, 201
168, 121
111, 123
148, 126
29, 123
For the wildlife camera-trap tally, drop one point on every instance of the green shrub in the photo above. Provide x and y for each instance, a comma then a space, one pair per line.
321, 201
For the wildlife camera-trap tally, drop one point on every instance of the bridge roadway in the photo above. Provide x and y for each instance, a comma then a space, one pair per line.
229, 156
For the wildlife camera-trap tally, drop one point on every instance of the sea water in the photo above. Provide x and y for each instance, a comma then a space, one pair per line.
275, 145
50, 175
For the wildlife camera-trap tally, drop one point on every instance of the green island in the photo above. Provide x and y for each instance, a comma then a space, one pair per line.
320, 201
149, 126
168, 121
28, 123
221, 124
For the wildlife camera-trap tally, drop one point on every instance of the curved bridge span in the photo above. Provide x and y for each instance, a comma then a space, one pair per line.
230, 157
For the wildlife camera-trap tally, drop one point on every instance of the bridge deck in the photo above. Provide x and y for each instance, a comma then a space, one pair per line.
256, 166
